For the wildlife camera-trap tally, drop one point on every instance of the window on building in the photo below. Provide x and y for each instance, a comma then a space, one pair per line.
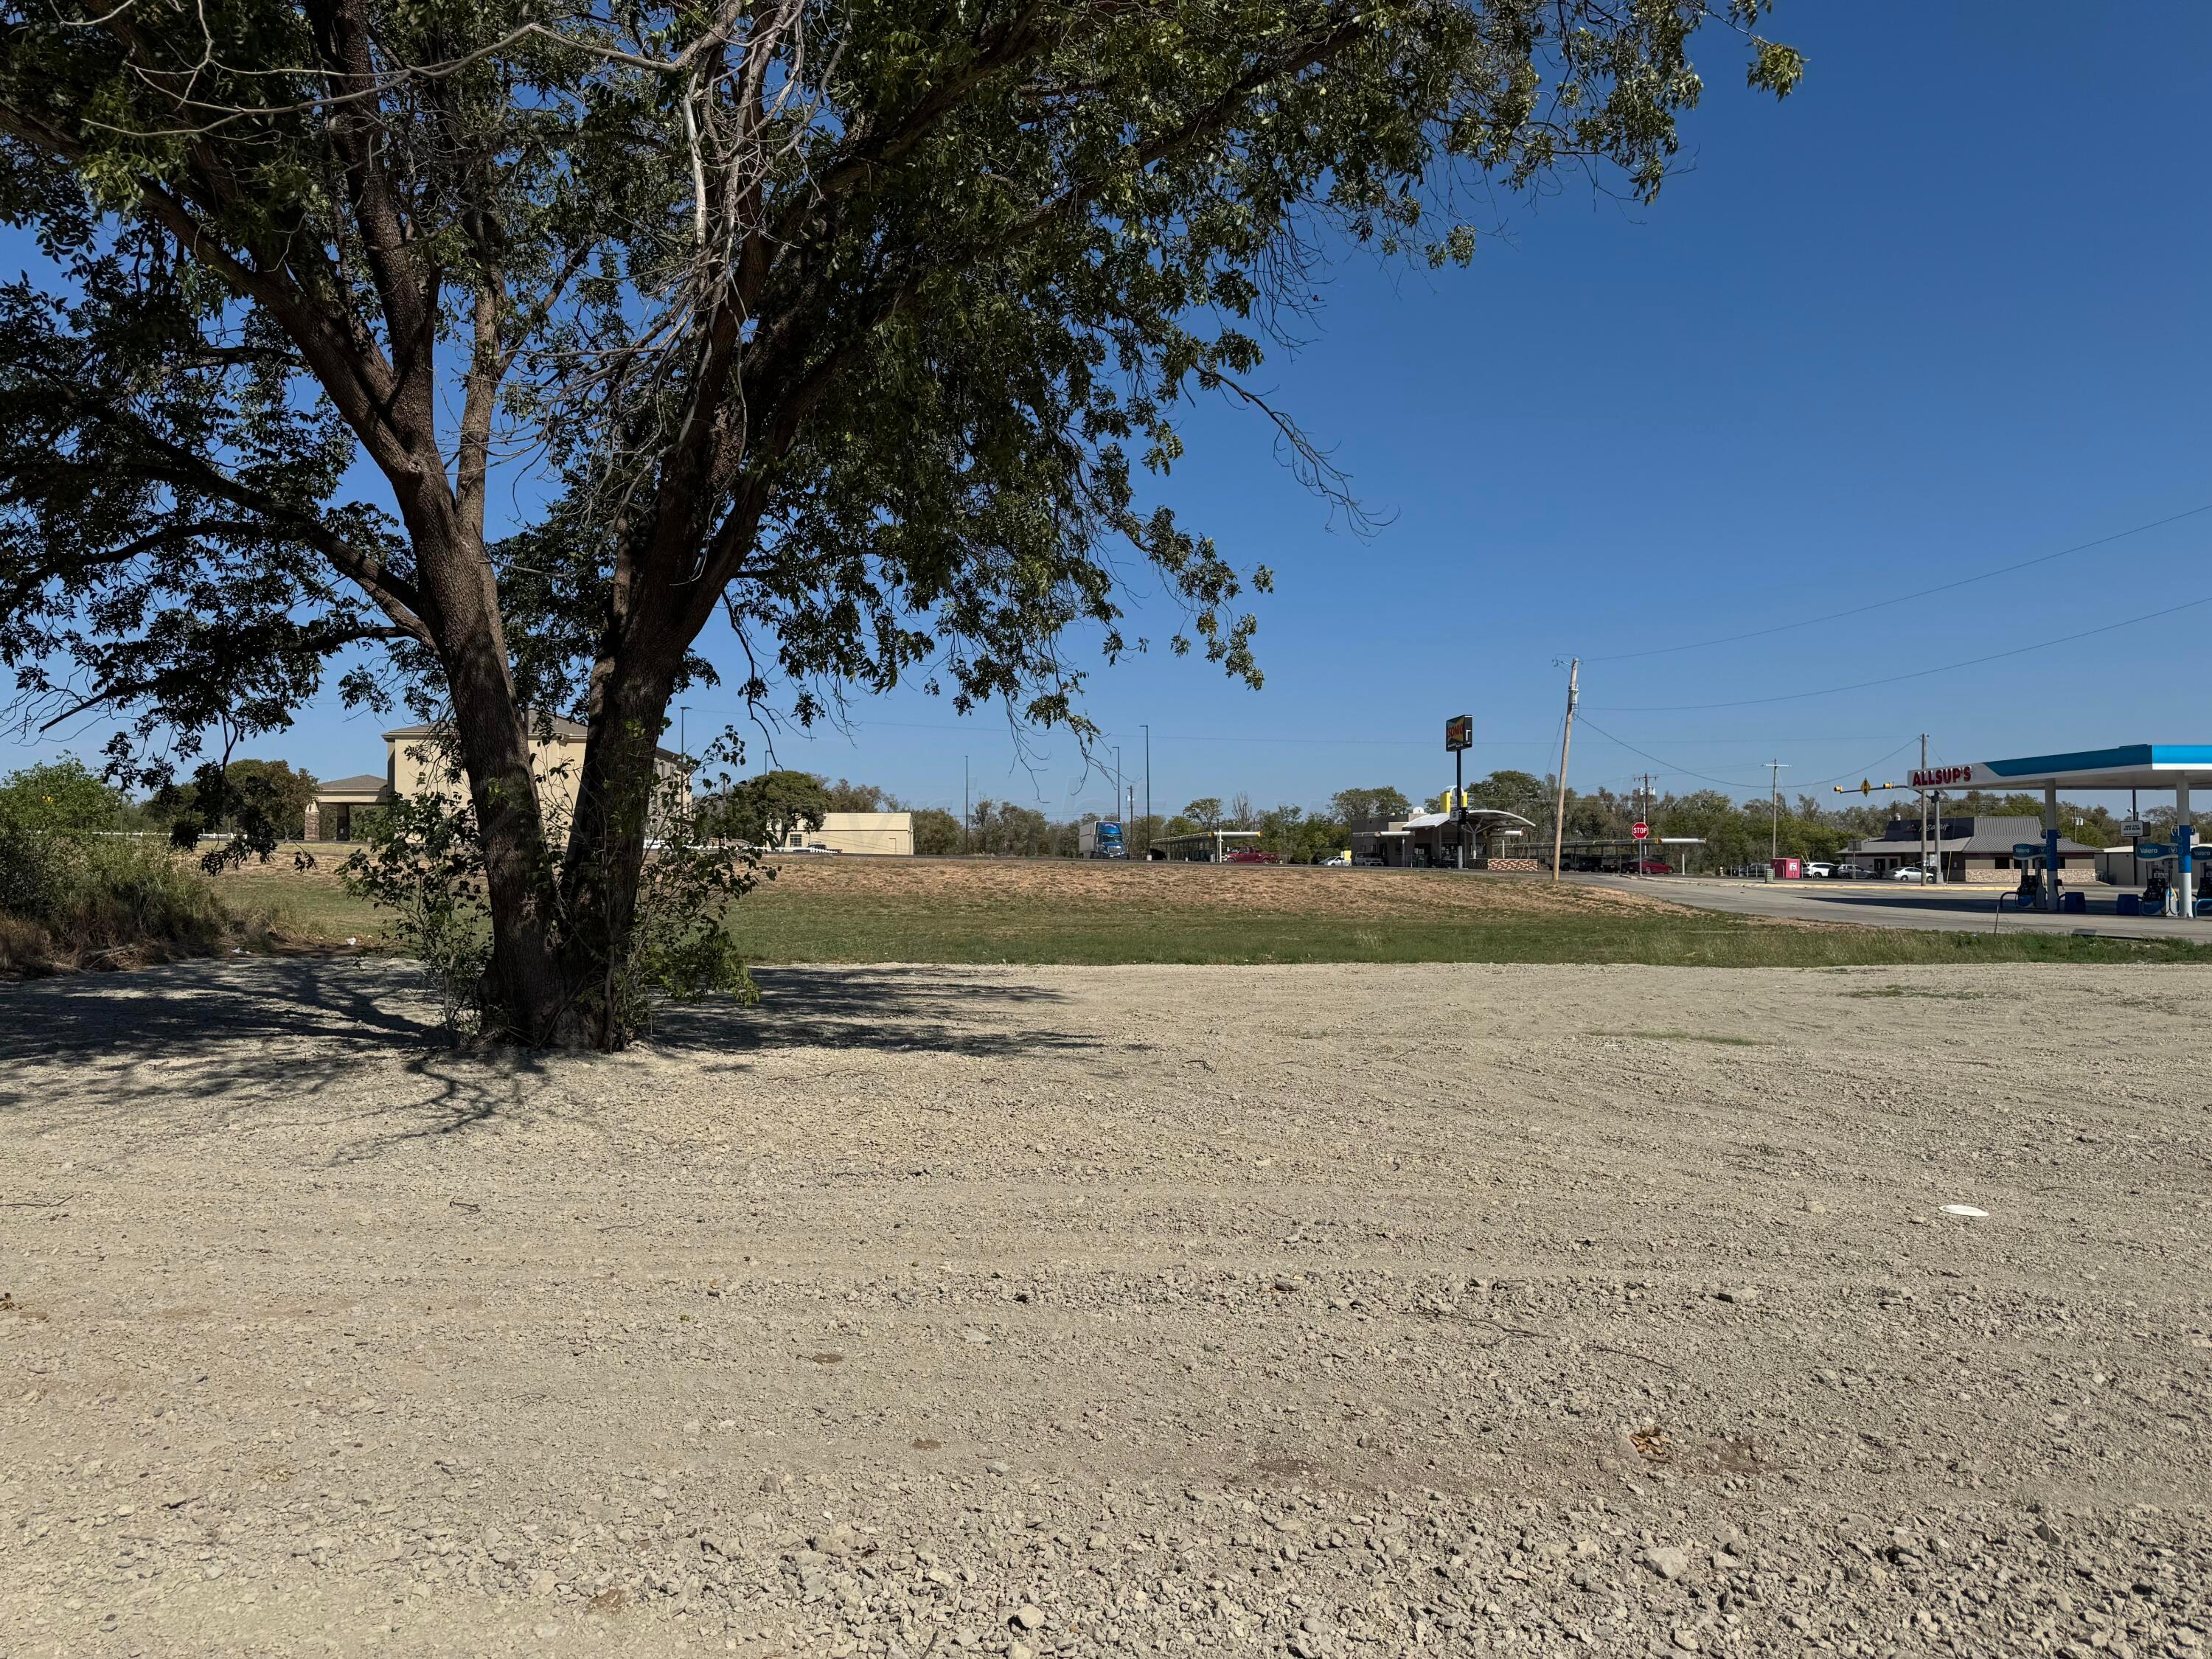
797, 838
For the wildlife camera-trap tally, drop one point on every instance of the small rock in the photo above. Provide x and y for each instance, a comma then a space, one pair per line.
1027, 1616
1020, 1651
1813, 1206
1667, 1561
2046, 1532
1686, 1639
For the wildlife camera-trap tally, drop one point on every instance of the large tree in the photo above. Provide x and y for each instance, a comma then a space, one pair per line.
846, 326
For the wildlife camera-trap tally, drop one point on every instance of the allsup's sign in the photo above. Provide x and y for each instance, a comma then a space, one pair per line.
1941, 777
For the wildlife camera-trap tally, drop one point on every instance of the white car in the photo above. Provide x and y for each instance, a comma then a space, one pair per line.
1814, 867
1906, 872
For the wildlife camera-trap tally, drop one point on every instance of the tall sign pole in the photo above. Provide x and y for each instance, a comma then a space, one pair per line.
1458, 737
1566, 738
1459, 807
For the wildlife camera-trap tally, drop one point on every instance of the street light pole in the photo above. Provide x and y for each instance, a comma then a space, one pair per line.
1774, 812
1148, 791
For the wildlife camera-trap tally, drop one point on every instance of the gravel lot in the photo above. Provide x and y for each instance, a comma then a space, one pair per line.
1330, 1312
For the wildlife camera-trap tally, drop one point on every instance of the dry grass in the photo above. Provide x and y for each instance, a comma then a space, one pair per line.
828, 908
1215, 889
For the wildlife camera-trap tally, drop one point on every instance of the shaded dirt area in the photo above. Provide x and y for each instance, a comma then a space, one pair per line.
1322, 1311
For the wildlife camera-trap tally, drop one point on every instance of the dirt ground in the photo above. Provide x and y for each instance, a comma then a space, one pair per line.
1346, 1312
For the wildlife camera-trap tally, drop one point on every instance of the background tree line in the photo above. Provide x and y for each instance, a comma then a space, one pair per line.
1735, 832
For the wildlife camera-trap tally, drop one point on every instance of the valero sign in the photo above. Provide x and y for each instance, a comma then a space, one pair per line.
1941, 777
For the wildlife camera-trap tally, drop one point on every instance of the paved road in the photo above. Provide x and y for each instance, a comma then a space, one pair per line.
1879, 904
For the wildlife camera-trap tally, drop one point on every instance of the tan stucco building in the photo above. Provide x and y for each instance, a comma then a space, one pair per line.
414, 765
854, 832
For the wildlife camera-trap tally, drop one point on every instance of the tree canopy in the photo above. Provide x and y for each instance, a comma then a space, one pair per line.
849, 328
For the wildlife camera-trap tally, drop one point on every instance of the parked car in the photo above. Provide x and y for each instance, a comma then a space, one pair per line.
1906, 872
1818, 870
1651, 867
1251, 855
1851, 872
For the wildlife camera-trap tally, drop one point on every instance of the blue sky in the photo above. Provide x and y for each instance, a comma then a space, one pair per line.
1941, 311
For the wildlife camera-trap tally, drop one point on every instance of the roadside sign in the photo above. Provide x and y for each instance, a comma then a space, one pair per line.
1459, 733
2132, 829
2153, 850
2025, 849
1643, 832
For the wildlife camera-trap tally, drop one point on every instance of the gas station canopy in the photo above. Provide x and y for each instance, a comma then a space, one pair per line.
2131, 766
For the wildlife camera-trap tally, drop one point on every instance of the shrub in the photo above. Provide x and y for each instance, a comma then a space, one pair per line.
74, 900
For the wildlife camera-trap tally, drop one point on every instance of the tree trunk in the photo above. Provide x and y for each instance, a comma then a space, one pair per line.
616, 798
532, 996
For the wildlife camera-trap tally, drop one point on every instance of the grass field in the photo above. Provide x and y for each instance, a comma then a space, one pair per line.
1057, 911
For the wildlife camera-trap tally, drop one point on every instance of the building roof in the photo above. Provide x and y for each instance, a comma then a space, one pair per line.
560, 724
1982, 834
369, 783
1475, 814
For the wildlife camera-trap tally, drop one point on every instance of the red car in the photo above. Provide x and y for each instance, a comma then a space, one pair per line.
1250, 855
1651, 867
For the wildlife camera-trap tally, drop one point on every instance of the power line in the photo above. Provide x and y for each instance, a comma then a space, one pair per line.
1728, 783
1902, 599
1916, 674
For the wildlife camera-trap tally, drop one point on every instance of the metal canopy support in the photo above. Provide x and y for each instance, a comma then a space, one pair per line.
2050, 847
2184, 884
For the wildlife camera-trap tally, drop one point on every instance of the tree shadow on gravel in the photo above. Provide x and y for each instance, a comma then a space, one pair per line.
879, 1010
243, 1043
351, 1047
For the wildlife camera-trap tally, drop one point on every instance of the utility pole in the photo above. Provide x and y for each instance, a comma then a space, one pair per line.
1117, 777
1566, 738
682, 748
1924, 812
1644, 814
1148, 791
1774, 811
963, 803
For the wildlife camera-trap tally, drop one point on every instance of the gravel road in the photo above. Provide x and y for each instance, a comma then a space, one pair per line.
1349, 1311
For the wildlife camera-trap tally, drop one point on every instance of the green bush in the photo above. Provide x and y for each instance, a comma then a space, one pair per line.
74, 900
73, 895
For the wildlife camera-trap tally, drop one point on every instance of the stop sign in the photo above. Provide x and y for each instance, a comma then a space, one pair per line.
1643, 832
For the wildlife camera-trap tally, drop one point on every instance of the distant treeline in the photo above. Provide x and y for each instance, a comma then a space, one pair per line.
1734, 832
